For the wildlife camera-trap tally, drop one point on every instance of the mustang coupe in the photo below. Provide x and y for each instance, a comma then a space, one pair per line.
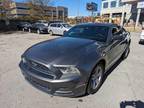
75, 64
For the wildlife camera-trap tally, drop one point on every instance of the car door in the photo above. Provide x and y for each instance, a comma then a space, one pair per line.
114, 47
53, 28
60, 29
33, 27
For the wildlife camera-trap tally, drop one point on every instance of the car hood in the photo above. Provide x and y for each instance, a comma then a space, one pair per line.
68, 28
65, 50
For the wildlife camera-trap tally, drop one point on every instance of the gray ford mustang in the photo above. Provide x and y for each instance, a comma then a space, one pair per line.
75, 64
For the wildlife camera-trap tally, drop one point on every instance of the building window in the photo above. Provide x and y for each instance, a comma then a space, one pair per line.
121, 4
23, 8
105, 5
113, 4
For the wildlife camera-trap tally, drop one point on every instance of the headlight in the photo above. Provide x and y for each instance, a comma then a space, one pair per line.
67, 69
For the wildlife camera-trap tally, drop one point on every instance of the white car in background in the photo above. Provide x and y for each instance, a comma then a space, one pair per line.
142, 37
58, 28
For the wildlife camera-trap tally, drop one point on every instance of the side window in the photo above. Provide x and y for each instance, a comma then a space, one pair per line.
59, 25
117, 31
53, 25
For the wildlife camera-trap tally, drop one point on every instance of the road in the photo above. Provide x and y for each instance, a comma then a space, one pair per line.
124, 85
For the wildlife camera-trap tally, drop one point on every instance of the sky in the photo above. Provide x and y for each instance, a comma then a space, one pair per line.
73, 6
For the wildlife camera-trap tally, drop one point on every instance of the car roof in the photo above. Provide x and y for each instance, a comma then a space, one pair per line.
58, 23
97, 24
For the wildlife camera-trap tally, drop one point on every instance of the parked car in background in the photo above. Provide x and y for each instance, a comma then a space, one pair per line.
50, 22
142, 37
75, 64
44, 22
38, 28
58, 28
26, 27
21, 25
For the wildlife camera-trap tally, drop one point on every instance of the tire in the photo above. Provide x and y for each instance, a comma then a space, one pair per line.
23, 29
96, 79
64, 32
38, 31
126, 53
29, 30
51, 32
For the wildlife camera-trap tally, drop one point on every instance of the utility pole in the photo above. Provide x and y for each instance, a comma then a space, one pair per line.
138, 17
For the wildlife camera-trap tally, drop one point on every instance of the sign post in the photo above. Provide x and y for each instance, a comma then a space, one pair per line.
92, 7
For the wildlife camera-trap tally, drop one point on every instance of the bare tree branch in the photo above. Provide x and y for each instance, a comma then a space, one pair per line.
38, 9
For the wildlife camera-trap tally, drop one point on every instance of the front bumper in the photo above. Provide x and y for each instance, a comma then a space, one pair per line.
44, 31
65, 87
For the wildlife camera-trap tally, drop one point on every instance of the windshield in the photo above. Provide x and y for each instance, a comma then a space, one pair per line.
41, 25
66, 25
98, 33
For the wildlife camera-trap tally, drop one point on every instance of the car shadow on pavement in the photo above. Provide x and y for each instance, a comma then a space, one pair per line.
112, 69
132, 104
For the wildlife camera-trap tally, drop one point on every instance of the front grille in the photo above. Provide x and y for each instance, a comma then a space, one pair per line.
40, 69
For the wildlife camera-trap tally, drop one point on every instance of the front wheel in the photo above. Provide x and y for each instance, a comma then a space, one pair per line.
38, 31
29, 30
51, 32
23, 29
96, 79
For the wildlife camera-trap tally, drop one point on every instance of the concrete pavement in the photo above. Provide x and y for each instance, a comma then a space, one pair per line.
124, 83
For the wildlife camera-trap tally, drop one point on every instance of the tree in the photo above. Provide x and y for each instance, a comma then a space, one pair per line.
41, 2
38, 9
5, 8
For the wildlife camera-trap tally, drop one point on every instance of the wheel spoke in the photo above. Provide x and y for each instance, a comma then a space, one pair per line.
96, 78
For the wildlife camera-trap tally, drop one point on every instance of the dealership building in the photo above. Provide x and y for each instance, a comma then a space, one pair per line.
126, 10
23, 9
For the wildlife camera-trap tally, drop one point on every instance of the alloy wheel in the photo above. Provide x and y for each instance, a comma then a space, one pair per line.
95, 80
50, 32
38, 31
29, 30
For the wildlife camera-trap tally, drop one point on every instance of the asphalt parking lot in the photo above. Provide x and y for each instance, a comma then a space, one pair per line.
123, 86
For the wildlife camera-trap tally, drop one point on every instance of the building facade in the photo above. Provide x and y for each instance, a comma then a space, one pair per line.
115, 9
19, 10
137, 11
125, 10
23, 9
